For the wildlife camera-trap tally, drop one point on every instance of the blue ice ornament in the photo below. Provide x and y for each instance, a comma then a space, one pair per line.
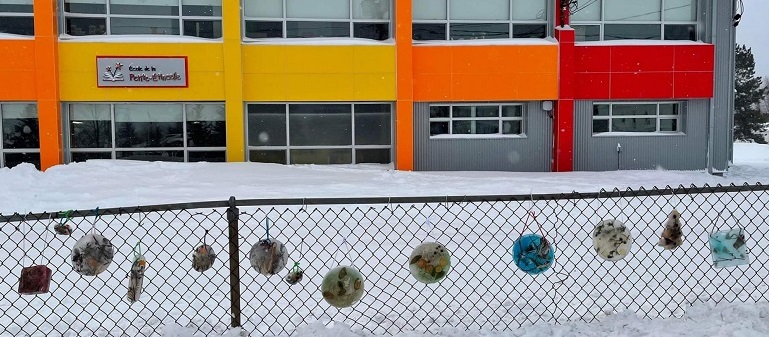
533, 253
728, 248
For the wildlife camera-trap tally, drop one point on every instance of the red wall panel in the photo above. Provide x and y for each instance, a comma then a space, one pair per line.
675, 71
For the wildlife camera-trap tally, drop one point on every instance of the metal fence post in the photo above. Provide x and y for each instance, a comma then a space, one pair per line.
232, 217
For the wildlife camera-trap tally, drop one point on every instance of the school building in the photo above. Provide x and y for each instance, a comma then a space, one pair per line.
507, 85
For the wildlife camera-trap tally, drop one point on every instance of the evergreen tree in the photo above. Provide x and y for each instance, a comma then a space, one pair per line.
748, 119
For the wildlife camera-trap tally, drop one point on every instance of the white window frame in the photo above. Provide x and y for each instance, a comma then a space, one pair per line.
180, 17
509, 21
3, 150
114, 149
18, 15
350, 20
288, 147
499, 118
681, 106
661, 22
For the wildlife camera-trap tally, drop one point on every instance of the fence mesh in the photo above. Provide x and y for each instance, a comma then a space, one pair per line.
483, 289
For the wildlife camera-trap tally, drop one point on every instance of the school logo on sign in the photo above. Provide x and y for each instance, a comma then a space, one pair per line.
140, 71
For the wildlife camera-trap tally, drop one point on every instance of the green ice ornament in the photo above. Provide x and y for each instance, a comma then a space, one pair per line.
342, 286
429, 262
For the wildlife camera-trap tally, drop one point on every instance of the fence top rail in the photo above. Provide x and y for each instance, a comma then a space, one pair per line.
232, 202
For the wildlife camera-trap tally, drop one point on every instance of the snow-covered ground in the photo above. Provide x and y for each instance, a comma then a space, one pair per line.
123, 183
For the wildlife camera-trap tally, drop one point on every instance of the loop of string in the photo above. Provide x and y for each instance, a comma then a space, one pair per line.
93, 224
24, 233
296, 267
346, 253
267, 227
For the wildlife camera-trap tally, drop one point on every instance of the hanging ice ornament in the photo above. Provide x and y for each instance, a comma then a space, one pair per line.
342, 286
92, 254
612, 240
203, 258
268, 256
429, 262
533, 254
672, 236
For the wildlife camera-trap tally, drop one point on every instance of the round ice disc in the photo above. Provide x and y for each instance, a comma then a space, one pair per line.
612, 240
533, 254
429, 262
92, 255
203, 258
268, 257
342, 286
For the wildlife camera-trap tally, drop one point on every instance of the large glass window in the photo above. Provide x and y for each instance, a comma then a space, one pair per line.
473, 19
597, 20
20, 134
368, 19
477, 119
328, 133
16, 17
147, 131
200, 18
637, 117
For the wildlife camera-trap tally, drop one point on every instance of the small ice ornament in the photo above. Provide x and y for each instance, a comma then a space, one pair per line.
729, 248
203, 258
268, 256
612, 240
92, 255
342, 286
429, 262
136, 279
533, 254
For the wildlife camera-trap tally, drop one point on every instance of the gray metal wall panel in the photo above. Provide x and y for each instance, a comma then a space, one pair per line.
723, 36
599, 153
530, 154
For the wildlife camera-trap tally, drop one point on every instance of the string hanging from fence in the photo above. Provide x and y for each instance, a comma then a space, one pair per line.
203, 256
296, 273
342, 286
35, 279
533, 253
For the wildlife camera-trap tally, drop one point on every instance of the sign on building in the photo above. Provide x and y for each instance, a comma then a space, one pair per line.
142, 71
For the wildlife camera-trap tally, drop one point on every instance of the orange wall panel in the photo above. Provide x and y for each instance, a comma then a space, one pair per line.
17, 70
478, 73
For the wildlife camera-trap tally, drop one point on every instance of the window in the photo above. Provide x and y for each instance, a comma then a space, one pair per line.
631, 19
21, 134
147, 131
472, 19
329, 133
16, 17
368, 19
479, 119
637, 117
200, 18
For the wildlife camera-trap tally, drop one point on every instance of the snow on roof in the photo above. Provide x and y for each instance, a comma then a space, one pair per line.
138, 38
640, 43
6, 36
489, 42
344, 41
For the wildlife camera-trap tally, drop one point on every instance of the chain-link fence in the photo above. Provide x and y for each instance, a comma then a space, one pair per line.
483, 289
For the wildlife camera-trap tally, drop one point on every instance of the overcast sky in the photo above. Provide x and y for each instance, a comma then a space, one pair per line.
753, 32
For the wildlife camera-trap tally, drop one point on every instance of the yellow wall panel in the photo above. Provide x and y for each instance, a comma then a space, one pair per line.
319, 87
375, 87
319, 73
78, 73
265, 87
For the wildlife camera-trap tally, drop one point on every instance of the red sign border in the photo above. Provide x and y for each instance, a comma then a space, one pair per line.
186, 72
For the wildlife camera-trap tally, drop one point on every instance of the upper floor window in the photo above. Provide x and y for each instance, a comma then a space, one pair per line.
632, 19
368, 19
201, 18
477, 119
16, 17
664, 117
473, 19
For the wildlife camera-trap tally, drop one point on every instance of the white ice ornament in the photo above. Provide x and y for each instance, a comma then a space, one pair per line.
612, 240
92, 255
268, 256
